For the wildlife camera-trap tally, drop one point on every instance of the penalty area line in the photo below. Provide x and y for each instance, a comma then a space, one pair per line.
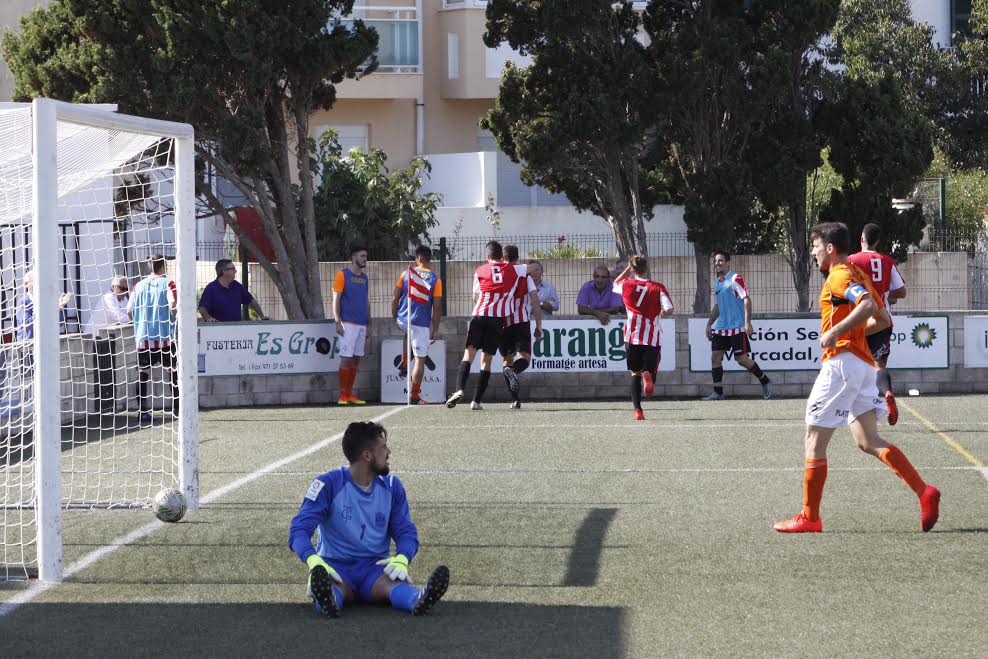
41, 587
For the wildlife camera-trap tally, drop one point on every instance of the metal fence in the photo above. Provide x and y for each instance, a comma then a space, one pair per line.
948, 272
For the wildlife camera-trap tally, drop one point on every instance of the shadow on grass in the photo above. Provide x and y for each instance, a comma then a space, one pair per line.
452, 628
18, 446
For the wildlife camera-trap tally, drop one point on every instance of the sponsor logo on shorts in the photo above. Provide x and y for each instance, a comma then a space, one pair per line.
842, 413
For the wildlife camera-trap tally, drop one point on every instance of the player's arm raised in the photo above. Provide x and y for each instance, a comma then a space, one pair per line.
621, 277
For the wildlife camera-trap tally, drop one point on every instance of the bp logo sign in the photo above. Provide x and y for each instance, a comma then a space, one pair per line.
923, 336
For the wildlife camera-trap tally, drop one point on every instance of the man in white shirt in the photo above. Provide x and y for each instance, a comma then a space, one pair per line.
110, 310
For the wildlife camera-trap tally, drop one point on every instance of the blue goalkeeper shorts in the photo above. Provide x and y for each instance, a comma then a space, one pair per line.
358, 573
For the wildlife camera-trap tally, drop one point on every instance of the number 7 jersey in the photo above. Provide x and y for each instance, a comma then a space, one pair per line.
645, 301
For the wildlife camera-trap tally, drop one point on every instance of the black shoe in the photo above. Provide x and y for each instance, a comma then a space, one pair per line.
434, 590
321, 585
514, 386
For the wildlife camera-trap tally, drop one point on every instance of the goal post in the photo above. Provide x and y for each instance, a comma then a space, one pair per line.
91, 414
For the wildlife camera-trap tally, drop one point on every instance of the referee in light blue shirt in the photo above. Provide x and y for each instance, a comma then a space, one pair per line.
223, 297
356, 511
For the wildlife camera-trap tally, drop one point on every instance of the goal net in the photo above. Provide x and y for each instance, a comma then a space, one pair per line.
98, 396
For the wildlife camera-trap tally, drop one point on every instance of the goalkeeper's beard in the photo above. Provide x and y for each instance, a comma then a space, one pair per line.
381, 468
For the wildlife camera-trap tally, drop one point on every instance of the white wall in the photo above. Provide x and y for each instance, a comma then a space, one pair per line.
546, 220
463, 179
937, 14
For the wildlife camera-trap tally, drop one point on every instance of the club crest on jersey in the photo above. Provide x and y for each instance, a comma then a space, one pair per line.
314, 490
379, 519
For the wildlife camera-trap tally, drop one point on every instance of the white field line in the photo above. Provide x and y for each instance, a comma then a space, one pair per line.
41, 587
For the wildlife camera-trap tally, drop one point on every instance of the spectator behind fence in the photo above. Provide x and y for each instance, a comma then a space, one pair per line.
110, 310
547, 292
25, 309
596, 297
223, 297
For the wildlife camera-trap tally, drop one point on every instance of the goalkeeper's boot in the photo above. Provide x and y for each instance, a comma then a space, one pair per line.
454, 399
648, 384
929, 507
799, 524
639, 415
321, 589
893, 408
434, 590
511, 379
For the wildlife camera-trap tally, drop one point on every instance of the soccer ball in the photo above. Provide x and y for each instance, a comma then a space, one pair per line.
169, 505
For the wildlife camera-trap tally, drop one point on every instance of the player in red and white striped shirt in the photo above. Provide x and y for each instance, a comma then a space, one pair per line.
647, 301
516, 340
890, 286
496, 282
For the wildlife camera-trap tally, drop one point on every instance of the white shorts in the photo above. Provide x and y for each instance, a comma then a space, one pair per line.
420, 339
845, 389
352, 342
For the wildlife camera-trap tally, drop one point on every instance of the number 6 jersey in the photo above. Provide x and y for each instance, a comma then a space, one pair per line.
495, 283
645, 300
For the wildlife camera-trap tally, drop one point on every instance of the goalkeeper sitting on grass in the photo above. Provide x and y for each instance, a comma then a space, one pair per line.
357, 511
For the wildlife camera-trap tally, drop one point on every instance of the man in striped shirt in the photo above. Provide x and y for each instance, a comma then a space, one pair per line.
496, 283
516, 340
730, 326
153, 306
646, 301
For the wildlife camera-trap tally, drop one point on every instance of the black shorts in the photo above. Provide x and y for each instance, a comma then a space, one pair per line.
148, 357
735, 344
880, 343
516, 338
484, 333
643, 358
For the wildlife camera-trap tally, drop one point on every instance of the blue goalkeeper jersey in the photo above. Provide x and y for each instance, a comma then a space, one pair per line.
352, 523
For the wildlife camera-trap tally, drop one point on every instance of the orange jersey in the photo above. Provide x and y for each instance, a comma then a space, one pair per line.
845, 285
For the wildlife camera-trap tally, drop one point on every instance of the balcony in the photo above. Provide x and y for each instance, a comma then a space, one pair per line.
398, 48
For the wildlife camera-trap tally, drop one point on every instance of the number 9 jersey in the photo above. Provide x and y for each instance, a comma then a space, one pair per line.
645, 301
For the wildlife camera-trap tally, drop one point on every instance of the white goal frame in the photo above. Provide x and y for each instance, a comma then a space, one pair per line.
47, 427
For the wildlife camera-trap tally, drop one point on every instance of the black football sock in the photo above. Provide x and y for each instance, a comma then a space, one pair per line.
636, 391
462, 375
478, 393
718, 374
757, 372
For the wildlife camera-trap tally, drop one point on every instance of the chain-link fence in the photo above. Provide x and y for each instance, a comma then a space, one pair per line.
947, 272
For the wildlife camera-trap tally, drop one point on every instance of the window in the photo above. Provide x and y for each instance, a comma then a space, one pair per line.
960, 17
453, 54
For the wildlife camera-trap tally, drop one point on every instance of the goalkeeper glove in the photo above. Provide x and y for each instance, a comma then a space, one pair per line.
396, 567
316, 561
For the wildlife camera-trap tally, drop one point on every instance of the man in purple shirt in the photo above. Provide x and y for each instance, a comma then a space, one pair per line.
222, 298
597, 299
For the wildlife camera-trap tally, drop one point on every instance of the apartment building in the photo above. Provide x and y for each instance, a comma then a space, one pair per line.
436, 79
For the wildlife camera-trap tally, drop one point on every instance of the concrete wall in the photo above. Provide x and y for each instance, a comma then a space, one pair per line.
681, 383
